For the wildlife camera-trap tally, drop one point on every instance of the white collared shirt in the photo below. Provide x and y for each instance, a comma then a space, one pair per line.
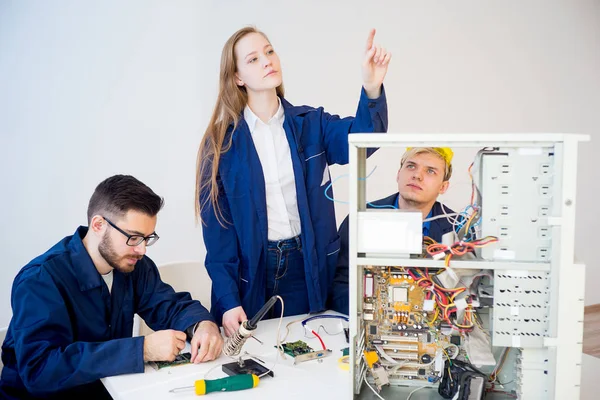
273, 150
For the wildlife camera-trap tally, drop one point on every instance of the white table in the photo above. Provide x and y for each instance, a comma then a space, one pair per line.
311, 378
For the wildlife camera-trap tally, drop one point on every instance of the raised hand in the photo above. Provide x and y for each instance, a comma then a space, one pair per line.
374, 66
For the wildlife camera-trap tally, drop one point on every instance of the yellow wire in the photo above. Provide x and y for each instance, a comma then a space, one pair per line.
460, 290
437, 313
446, 353
469, 223
464, 326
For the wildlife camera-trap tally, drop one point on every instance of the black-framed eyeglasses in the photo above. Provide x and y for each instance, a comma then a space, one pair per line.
135, 240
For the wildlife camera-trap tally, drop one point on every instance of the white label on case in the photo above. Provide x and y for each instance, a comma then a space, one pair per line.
529, 151
516, 341
504, 254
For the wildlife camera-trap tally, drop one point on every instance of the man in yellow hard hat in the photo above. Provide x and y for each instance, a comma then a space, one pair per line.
423, 175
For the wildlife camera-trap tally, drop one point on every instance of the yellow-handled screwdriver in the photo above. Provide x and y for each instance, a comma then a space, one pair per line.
231, 383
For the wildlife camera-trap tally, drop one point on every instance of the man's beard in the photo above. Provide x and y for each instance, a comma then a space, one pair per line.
109, 254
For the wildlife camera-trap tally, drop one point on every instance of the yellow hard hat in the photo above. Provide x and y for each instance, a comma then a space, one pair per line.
445, 152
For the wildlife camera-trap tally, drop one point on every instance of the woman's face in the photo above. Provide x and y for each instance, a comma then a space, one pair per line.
258, 67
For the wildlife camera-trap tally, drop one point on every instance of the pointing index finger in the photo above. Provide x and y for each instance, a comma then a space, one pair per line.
370, 39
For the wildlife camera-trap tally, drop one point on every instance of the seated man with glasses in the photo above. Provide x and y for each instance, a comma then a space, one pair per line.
73, 306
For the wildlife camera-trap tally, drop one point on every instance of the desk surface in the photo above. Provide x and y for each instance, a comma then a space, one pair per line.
325, 379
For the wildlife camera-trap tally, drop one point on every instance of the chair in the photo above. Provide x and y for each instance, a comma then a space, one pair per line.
188, 276
3, 332
185, 276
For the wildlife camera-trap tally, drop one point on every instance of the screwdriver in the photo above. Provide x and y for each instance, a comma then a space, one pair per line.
231, 383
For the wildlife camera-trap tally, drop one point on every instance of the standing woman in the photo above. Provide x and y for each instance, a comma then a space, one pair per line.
262, 169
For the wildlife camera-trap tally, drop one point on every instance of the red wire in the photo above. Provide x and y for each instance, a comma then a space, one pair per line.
320, 340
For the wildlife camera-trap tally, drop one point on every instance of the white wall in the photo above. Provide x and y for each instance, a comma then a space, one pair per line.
90, 89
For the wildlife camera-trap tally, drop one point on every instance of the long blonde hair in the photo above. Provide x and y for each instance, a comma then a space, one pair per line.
231, 101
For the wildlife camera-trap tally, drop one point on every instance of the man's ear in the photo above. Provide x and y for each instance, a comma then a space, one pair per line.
444, 187
98, 224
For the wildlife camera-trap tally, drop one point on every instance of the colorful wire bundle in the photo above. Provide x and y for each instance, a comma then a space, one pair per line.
459, 248
444, 300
